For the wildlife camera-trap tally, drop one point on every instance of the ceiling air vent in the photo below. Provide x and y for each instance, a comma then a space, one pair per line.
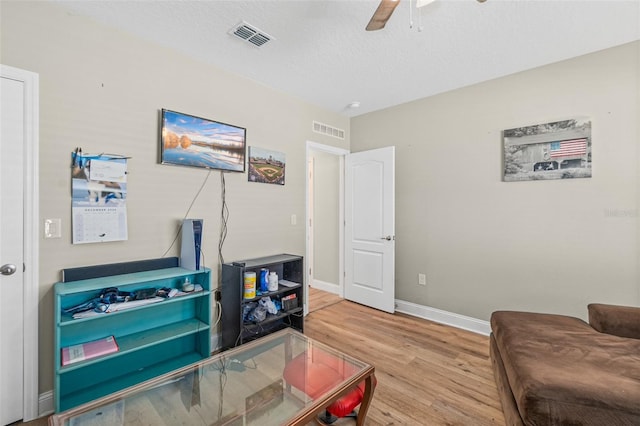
250, 34
325, 129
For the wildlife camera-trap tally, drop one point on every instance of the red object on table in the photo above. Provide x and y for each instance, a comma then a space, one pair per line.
317, 372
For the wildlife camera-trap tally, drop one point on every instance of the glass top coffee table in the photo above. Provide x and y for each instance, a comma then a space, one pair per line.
265, 382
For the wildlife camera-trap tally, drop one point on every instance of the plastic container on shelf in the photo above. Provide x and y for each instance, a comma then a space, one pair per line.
264, 280
273, 281
249, 285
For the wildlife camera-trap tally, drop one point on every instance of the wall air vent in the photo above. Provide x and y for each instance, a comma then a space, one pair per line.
250, 34
325, 129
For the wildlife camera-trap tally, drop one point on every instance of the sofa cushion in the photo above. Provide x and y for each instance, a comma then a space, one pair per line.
623, 321
562, 371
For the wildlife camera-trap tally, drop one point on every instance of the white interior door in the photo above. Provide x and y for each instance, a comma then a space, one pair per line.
18, 245
370, 228
11, 251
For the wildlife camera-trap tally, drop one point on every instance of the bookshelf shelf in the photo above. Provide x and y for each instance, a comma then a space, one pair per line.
101, 389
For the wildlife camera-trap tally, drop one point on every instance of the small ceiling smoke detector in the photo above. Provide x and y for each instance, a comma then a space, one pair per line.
250, 34
353, 105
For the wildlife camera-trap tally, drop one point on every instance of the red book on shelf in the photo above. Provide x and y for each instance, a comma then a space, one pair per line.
84, 351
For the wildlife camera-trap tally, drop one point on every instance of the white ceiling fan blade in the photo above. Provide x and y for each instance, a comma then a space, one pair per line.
382, 14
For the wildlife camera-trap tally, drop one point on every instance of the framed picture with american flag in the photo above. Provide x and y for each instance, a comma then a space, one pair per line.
555, 150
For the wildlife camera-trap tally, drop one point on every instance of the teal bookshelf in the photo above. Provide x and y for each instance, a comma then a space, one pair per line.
152, 339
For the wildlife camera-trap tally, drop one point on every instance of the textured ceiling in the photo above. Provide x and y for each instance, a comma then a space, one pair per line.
322, 54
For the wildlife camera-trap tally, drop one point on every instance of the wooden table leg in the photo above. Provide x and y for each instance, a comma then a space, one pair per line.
366, 399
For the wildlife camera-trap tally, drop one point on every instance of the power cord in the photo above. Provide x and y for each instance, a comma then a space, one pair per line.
219, 316
224, 217
202, 256
187, 214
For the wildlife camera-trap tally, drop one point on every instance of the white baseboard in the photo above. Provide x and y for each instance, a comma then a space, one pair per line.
326, 286
443, 317
45, 403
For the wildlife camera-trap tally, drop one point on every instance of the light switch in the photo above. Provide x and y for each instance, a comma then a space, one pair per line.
294, 219
52, 228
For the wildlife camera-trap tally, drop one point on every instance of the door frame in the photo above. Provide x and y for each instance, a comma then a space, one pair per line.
31, 234
310, 222
341, 153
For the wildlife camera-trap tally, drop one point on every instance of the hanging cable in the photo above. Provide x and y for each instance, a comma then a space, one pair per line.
224, 216
187, 213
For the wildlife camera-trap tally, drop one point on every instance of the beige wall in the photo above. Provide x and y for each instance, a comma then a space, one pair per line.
550, 246
326, 217
102, 89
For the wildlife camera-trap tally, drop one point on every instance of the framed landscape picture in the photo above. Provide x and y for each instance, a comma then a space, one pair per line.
556, 150
266, 166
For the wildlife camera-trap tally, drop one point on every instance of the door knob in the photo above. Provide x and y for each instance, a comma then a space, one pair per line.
388, 238
7, 269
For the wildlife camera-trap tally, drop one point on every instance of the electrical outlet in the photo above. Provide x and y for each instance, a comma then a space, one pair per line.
217, 295
422, 279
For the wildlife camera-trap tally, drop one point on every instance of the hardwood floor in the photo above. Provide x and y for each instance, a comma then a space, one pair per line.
428, 373
321, 299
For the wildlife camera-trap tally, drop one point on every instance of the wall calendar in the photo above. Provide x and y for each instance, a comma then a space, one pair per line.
99, 197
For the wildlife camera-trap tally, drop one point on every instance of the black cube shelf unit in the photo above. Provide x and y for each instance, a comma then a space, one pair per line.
235, 329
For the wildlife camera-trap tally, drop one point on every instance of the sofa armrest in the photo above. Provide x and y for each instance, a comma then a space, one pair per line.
622, 321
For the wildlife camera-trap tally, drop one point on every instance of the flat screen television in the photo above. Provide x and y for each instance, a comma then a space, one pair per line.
187, 140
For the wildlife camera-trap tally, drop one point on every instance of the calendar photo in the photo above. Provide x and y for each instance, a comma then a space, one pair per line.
98, 192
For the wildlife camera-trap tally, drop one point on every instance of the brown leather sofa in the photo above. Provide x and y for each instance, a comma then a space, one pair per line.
559, 370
